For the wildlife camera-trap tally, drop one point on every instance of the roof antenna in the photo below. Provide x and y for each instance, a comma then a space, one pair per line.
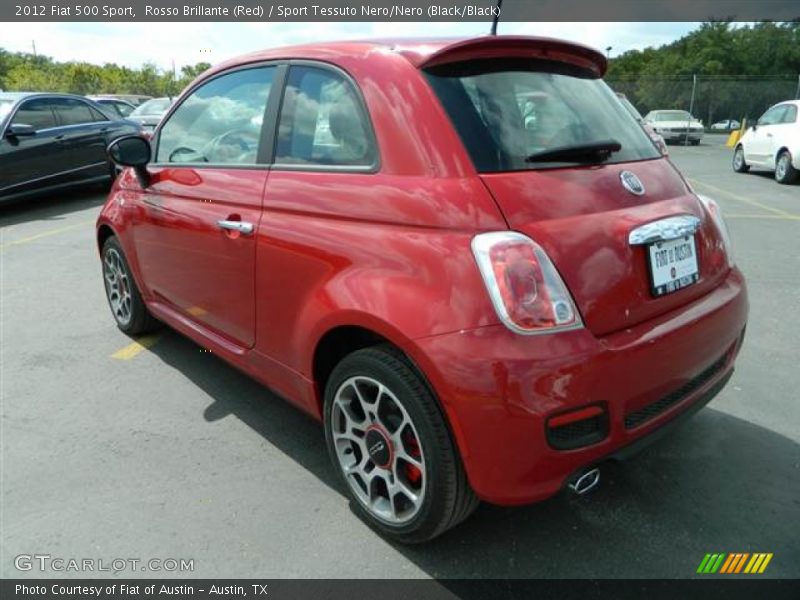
496, 17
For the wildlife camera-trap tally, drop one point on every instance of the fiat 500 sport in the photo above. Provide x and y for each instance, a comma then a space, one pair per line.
465, 258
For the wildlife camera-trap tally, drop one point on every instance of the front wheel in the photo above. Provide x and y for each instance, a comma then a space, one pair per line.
739, 164
390, 444
784, 170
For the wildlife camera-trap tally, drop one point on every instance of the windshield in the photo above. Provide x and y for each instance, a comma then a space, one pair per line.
509, 110
673, 115
5, 107
156, 106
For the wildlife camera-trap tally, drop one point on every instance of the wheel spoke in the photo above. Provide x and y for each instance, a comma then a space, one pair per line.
399, 487
392, 492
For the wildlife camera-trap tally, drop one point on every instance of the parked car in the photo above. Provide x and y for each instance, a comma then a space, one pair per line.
51, 141
726, 125
675, 126
149, 114
773, 143
135, 99
657, 138
119, 108
474, 308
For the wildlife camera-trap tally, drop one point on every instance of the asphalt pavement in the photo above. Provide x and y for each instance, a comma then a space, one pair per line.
117, 449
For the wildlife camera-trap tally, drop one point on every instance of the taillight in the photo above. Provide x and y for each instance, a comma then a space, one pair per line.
715, 211
524, 286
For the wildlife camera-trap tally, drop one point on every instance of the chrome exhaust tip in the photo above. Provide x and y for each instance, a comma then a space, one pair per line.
584, 481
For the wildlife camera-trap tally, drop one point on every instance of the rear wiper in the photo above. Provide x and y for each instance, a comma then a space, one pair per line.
594, 151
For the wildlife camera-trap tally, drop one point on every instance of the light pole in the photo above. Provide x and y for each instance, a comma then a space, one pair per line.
608, 51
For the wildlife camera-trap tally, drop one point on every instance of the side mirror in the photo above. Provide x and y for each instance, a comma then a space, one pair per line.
132, 151
20, 130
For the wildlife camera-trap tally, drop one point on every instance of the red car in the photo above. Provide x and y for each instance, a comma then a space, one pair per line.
476, 308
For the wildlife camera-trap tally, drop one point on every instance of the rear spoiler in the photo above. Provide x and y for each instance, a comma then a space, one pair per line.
516, 46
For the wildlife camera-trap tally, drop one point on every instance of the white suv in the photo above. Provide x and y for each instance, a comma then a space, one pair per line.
773, 143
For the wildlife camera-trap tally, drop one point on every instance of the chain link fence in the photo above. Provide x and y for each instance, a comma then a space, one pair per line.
710, 98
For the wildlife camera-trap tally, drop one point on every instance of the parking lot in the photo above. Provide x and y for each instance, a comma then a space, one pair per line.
156, 449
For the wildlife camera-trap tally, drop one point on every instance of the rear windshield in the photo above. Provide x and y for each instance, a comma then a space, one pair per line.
508, 110
673, 115
156, 106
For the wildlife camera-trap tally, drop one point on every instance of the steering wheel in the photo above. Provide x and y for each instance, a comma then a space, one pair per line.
185, 150
224, 147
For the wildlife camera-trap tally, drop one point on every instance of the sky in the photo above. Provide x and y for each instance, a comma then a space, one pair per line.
133, 44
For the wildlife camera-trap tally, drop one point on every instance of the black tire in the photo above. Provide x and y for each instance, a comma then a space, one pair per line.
446, 497
785, 172
113, 172
695, 142
136, 319
738, 162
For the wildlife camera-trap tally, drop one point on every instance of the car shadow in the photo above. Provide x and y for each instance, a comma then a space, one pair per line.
716, 484
52, 207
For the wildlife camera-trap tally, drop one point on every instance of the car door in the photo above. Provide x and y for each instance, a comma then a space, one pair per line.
31, 162
195, 230
758, 150
326, 157
83, 135
782, 132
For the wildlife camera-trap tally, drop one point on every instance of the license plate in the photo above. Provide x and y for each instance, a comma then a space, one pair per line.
673, 265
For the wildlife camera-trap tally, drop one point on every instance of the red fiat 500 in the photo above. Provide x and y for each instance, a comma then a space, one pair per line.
465, 258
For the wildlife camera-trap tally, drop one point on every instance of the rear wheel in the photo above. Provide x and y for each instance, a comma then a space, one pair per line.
123, 296
392, 449
784, 170
739, 164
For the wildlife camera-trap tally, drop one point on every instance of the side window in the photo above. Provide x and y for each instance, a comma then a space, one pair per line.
322, 121
97, 115
772, 116
38, 113
123, 109
790, 116
73, 112
220, 122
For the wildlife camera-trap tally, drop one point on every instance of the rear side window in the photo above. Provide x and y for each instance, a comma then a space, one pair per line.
790, 116
773, 116
122, 109
37, 113
73, 112
322, 121
507, 111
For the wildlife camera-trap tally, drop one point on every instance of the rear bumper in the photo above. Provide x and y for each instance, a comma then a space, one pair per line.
674, 136
499, 388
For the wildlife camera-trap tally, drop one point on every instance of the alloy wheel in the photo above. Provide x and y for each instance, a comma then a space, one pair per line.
782, 167
378, 449
118, 286
738, 158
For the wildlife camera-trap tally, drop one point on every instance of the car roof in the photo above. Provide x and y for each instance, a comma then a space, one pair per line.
21, 95
426, 52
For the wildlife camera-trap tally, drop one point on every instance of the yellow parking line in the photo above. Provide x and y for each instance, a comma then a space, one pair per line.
131, 350
771, 217
44, 234
771, 209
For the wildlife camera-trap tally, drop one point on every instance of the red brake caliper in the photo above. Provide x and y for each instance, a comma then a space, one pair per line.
413, 474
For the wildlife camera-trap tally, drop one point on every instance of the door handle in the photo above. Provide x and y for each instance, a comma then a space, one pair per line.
670, 228
242, 227
769, 135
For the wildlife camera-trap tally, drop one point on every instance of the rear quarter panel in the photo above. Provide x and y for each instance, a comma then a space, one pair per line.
386, 250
